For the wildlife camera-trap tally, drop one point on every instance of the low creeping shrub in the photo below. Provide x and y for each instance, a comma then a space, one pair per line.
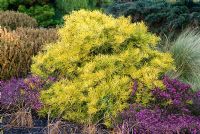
95, 62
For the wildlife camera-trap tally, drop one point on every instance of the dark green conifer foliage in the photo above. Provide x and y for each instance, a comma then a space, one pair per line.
162, 16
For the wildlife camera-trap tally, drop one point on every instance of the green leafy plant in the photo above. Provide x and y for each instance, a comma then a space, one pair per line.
3, 4
43, 14
95, 62
14, 4
69, 5
43, 11
186, 54
50, 12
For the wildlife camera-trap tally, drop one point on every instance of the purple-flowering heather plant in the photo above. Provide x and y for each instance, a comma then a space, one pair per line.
23, 93
169, 112
157, 122
195, 107
175, 98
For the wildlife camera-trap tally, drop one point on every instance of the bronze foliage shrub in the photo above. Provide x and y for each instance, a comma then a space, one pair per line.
12, 20
17, 48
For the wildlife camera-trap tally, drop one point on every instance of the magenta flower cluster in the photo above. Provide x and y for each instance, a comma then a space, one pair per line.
148, 121
22, 93
169, 113
175, 98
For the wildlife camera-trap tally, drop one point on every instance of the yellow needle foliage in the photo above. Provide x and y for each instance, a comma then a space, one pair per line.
96, 61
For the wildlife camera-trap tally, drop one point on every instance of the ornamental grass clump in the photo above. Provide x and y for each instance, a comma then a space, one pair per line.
95, 61
186, 54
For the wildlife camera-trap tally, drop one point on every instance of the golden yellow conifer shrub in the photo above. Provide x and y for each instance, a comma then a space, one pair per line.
95, 62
